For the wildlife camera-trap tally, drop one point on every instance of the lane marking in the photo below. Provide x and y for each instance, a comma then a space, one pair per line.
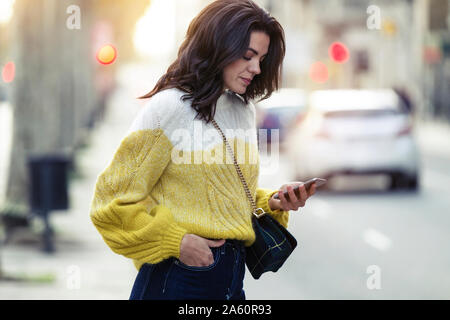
377, 239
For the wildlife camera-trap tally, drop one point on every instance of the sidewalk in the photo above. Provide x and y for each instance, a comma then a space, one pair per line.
83, 267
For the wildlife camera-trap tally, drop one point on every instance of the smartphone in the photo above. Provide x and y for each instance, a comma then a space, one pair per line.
319, 182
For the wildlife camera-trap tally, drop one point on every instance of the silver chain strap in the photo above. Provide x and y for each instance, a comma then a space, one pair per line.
258, 212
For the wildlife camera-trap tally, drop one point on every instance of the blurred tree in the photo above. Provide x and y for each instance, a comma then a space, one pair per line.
56, 93
53, 88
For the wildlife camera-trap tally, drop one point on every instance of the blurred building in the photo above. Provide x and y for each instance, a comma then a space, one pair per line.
436, 57
408, 48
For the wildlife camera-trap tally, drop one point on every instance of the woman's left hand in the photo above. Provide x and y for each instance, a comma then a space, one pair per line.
293, 203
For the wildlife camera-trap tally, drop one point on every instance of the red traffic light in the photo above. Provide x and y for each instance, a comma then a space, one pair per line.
338, 52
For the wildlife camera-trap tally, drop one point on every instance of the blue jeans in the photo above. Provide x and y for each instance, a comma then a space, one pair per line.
173, 280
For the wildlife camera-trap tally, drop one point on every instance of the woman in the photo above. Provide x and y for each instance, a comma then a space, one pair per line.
182, 218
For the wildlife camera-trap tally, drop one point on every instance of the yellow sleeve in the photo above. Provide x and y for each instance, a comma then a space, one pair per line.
262, 201
119, 210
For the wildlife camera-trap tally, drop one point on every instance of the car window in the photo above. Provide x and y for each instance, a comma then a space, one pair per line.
286, 110
346, 114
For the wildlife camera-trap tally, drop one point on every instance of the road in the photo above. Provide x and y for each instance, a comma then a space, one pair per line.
361, 242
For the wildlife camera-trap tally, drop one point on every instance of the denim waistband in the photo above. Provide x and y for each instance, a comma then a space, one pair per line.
235, 242
238, 244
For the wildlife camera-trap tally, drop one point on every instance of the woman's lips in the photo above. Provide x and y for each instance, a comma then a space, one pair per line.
246, 81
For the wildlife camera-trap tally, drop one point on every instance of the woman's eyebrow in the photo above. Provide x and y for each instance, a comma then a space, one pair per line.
255, 52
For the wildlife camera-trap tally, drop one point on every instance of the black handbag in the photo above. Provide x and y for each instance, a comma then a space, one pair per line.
273, 243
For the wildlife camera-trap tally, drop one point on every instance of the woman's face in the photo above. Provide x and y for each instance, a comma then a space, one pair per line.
238, 74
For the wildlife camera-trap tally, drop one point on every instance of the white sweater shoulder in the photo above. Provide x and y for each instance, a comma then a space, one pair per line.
161, 111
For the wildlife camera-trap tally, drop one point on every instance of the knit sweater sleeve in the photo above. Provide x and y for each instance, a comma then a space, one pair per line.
262, 201
120, 209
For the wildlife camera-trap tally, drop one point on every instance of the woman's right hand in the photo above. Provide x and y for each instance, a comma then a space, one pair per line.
195, 251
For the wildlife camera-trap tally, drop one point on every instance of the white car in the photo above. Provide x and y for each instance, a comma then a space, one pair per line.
351, 132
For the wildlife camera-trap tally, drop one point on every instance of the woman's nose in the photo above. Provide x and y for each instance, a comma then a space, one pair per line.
255, 68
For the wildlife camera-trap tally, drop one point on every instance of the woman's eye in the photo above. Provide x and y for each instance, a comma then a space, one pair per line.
248, 59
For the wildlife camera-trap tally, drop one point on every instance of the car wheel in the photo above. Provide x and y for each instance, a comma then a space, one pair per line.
413, 183
404, 181
394, 182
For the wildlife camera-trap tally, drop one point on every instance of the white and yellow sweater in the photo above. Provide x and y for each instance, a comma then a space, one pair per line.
172, 175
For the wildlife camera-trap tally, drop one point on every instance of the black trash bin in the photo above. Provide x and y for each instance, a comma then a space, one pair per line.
48, 188
48, 182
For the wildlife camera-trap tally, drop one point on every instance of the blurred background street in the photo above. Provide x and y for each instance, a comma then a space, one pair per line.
364, 103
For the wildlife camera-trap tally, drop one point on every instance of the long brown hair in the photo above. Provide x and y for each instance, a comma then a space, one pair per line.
218, 36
